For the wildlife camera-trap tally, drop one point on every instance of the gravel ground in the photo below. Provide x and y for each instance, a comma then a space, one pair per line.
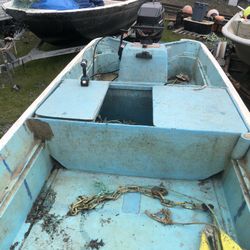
221, 5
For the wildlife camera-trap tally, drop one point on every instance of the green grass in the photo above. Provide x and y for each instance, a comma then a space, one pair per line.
33, 78
25, 44
169, 36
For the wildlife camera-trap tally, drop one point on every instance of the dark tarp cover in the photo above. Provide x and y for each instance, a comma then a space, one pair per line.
65, 4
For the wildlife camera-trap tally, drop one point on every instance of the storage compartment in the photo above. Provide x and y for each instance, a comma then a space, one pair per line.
127, 106
188, 66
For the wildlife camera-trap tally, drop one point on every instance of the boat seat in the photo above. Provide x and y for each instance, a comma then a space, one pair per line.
71, 101
139, 64
207, 109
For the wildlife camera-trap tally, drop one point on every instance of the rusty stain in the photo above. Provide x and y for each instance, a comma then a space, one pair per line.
40, 129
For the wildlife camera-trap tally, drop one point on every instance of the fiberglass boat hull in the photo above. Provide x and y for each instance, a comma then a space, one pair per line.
64, 27
139, 131
238, 30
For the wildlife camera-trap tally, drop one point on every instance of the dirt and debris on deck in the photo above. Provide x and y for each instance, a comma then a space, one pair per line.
51, 228
95, 244
41, 212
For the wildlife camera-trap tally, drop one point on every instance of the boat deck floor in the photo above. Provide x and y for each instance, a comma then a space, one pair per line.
120, 224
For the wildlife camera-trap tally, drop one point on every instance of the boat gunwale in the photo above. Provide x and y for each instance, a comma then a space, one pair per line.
29, 112
9, 6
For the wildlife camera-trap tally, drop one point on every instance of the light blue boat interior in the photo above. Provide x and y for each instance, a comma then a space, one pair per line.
135, 124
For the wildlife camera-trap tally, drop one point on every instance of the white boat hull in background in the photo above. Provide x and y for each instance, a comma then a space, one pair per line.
238, 30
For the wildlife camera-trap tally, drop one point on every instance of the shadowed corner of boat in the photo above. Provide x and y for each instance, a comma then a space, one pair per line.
40, 129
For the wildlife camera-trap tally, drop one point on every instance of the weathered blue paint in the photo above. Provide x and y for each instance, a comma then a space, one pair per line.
13, 155
173, 135
20, 203
71, 101
6, 165
197, 110
27, 188
240, 211
117, 228
242, 146
158, 57
238, 206
172, 153
131, 203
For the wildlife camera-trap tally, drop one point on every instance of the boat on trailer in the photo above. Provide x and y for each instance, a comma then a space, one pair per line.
147, 148
237, 29
64, 26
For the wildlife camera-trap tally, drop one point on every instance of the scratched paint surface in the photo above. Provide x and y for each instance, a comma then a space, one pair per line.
22, 199
139, 150
113, 223
161, 153
13, 155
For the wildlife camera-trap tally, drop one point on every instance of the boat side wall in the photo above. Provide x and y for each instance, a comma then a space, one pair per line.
237, 197
16, 144
177, 154
233, 184
22, 197
239, 104
13, 155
